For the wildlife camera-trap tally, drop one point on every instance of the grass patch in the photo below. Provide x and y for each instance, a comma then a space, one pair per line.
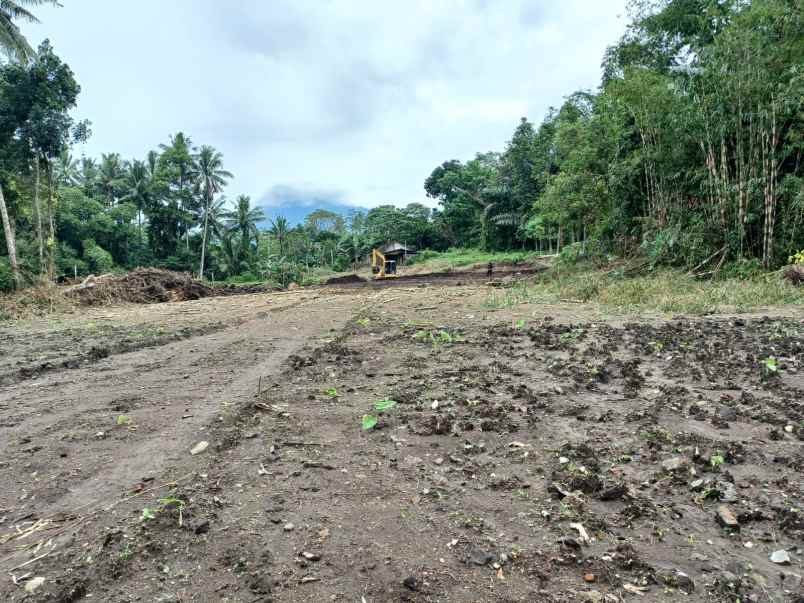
39, 300
456, 258
666, 291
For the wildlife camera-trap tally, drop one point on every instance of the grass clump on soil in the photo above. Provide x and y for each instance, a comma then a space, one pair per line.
456, 258
669, 291
39, 300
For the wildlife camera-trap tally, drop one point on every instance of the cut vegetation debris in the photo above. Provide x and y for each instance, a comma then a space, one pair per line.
140, 286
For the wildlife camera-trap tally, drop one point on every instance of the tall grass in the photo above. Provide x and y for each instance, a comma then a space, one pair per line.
666, 291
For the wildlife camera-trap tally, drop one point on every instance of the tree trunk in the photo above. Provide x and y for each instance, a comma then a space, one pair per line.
11, 243
51, 243
40, 240
204, 241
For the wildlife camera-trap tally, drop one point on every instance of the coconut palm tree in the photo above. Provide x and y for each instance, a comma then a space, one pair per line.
280, 228
138, 190
243, 219
111, 175
210, 180
66, 170
88, 174
12, 43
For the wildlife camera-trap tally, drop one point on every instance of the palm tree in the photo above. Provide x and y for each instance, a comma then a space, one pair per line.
280, 228
12, 42
88, 174
138, 190
211, 180
111, 175
66, 169
244, 219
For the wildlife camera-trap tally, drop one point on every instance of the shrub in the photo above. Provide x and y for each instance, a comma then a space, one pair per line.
6, 276
98, 259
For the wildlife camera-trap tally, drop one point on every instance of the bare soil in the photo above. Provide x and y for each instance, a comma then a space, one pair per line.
544, 453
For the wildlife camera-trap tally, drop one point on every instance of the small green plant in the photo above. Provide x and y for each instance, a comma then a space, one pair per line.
123, 421
165, 504
171, 502
370, 420
331, 392
519, 324
363, 322
436, 338
770, 366
796, 258
716, 460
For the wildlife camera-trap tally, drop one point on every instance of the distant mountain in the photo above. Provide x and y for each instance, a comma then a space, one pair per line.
296, 213
295, 203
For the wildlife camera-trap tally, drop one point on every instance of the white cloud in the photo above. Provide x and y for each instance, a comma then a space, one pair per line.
352, 98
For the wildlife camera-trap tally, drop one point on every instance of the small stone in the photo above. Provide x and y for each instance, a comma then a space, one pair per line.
727, 413
788, 428
34, 583
726, 518
288, 527
100, 435
411, 583
480, 557
697, 485
411, 462
202, 528
439, 461
311, 556
593, 596
563, 460
674, 464
727, 492
780, 557
199, 448
613, 493
590, 578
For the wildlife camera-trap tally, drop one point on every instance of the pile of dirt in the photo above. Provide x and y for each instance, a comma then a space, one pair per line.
140, 286
348, 279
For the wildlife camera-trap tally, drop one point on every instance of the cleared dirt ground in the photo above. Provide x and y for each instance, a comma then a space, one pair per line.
542, 453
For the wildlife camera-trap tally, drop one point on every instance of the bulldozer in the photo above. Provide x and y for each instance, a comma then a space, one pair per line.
382, 267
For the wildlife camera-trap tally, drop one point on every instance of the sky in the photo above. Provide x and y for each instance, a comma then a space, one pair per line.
325, 102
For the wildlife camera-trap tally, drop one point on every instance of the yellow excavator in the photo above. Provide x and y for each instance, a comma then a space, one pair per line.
382, 267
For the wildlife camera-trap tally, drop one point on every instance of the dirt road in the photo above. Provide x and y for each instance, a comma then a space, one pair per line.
534, 454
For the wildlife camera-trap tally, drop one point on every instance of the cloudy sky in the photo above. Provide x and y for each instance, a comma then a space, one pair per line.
344, 101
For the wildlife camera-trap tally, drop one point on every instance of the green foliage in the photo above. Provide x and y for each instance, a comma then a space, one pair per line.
770, 366
370, 421
796, 258
331, 392
384, 405
715, 461
6, 276
98, 259
123, 421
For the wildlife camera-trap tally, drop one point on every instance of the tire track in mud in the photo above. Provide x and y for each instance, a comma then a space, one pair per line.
62, 449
